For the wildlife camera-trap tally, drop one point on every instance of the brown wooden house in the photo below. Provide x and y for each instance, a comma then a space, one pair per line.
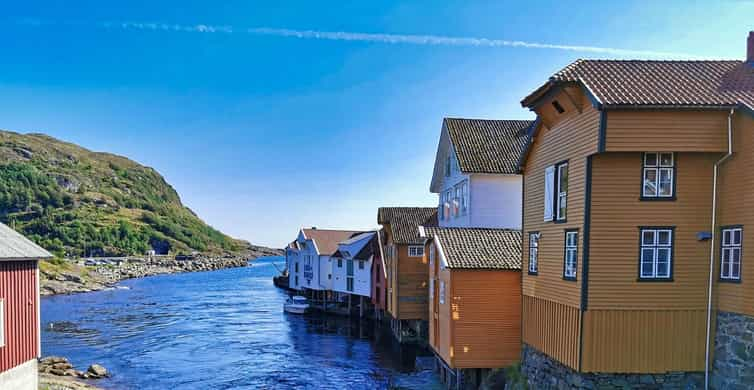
474, 301
407, 269
637, 171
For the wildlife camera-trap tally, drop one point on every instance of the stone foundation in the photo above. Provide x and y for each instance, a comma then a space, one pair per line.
545, 373
733, 365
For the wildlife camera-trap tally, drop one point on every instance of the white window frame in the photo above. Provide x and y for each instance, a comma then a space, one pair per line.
416, 251
2, 322
659, 168
431, 254
561, 195
652, 248
431, 288
442, 292
534, 253
549, 193
571, 254
464, 197
730, 253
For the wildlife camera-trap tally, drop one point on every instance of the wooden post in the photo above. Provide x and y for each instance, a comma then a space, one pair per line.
361, 306
349, 304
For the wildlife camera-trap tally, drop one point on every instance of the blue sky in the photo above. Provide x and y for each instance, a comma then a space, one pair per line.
262, 131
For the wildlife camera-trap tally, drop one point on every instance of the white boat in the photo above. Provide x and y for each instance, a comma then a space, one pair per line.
296, 305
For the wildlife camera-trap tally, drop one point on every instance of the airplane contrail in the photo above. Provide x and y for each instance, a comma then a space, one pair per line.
410, 39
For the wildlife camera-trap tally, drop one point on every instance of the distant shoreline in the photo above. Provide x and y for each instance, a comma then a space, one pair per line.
71, 277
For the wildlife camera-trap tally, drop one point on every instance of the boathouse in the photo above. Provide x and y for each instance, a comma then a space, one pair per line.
19, 310
352, 271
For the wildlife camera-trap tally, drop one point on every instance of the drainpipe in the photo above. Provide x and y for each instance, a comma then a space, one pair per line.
712, 248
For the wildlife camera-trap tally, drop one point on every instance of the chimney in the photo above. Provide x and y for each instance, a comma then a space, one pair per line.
750, 48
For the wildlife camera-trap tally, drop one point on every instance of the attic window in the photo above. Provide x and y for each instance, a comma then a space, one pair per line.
558, 107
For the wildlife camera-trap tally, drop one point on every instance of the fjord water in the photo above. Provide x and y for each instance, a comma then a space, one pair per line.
220, 330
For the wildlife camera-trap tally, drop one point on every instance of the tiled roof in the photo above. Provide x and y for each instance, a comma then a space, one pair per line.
488, 146
477, 248
14, 246
659, 83
405, 221
327, 240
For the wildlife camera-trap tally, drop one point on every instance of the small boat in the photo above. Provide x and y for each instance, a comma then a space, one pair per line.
296, 305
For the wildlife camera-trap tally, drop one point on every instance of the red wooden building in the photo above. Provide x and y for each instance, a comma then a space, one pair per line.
379, 279
19, 310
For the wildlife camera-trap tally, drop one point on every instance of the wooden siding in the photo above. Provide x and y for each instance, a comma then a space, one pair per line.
552, 328
573, 139
617, 214
486, 318
442, 326
643, 341
18, 289
411, 286
736, 201
678, 131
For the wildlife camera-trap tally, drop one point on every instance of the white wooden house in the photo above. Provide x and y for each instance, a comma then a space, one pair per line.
352, 265
309, 258
476, 173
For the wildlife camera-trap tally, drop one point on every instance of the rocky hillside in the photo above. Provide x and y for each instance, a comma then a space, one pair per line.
74, 201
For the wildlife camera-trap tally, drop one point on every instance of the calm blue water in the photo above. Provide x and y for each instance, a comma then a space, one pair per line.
219, 330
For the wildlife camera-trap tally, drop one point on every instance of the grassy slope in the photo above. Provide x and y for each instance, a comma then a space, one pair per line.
71, 200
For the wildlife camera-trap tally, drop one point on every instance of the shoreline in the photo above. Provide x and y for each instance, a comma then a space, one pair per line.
69, 277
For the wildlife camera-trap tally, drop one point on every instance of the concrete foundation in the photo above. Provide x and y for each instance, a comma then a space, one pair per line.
23, 377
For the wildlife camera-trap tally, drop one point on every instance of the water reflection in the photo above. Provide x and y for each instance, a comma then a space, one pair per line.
221, 330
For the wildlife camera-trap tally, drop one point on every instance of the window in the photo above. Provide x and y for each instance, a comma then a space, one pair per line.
415, 251
730, 254
361, 264
441, 207
533, 252
431, 254
570, 261
656, 253
346, 253
349, 267
464, 197
657, 176
377, 295
349, 284
447, 204
442, 292
340, 263
448, 163
296, 266
329, 276
562, 195
431, 288
295, 284
549, 192
558, 107
457, 202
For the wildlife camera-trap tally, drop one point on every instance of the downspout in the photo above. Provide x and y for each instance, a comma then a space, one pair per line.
712, 249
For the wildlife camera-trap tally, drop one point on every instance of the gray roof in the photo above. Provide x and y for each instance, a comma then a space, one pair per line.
486, 145
356, 237
14, 246
405, 221
478, 248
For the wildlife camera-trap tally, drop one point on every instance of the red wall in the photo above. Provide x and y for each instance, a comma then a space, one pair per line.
18, 288
379, 282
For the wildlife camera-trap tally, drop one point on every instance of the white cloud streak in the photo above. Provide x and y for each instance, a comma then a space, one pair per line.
421, 40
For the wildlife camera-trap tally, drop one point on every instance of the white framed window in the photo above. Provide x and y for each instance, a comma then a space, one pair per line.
561, 202
533, 252
464, 197
431, 254
2, 322
415, 251
730, 253
361, 264
570, 260
656, 253
658, 171
448, 165
447, 204
431, 288
549, 192
442, 292
457, 201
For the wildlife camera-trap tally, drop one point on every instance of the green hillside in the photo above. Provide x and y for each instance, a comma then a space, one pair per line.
74, 201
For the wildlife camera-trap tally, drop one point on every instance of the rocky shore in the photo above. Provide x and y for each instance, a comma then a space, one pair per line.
67, 277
